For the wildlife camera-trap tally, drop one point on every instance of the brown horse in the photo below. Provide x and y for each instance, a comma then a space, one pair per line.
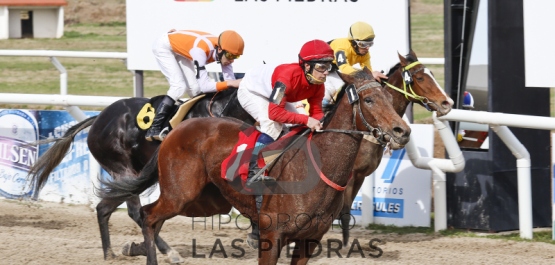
424, 91
188, 168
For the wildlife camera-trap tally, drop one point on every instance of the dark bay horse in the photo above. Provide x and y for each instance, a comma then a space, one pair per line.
191, 183
120, 148
425, 91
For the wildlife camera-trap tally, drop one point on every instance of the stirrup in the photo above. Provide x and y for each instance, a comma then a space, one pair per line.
163, 133
261, 178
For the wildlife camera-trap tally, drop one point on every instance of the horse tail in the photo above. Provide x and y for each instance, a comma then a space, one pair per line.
126, 188
40, 170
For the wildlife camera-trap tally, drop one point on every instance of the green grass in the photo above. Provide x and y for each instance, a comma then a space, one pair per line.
106, 77
388, 229
541, 236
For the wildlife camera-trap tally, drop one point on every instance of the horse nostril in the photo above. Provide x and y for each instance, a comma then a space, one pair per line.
446, 105
399, 132
402, 135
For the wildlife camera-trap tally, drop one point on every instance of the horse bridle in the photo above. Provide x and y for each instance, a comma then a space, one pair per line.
375, 132
424, 100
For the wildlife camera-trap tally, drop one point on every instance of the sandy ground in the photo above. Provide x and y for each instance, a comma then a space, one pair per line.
52, 233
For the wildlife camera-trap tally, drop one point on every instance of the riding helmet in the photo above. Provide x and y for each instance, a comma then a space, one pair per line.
231, 42
361, 31
316, 51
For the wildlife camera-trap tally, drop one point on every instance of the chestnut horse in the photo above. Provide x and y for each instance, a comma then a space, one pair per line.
425, 91
120, 148
191, 183
125, 152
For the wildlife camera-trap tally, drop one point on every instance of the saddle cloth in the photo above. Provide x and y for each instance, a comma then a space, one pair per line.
237, 163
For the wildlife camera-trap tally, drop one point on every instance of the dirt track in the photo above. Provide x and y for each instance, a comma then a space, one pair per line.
51, 233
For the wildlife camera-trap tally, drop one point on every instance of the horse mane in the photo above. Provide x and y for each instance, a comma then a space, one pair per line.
330, 110
409, 57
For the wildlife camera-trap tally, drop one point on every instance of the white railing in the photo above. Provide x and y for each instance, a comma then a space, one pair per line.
498, 122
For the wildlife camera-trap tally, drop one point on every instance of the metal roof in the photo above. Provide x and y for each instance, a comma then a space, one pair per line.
33, 3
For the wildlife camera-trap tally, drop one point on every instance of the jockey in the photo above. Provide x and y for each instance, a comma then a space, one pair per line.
468, 101
270, 94
468, 104
348, 52
182, 56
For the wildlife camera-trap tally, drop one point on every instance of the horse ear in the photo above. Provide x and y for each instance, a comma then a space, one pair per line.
403, 60
348, 79
367, 70
413, 54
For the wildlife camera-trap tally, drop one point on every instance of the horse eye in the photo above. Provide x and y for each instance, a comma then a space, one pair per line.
368, 100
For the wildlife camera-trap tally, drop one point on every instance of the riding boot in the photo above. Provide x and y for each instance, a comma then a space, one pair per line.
262, 141
155, 131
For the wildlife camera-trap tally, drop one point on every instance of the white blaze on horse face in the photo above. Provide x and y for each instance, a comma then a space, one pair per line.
429, 73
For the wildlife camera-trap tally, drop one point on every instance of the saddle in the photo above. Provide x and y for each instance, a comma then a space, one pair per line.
146, 115
237, 163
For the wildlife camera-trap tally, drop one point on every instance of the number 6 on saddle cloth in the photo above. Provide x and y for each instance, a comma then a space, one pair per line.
145, 117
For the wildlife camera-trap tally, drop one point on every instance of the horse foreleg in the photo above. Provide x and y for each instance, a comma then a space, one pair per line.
104, 210
150, 225
254, 236
303, 251
345, 218
345, 214
134, 249
153, 217
271, 244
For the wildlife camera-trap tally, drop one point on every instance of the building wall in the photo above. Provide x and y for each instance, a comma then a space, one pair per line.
45, 22
48, 22
4, 22
15, 23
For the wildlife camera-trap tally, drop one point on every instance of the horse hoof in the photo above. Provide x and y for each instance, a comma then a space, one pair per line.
252, 240
132, 249
174, 257
126, 249
109, 255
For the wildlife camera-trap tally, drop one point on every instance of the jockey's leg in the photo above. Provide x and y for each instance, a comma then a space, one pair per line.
262, 141
155, 131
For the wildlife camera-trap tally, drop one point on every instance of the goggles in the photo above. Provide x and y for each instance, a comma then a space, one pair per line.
322, 67
364, 44
231, 56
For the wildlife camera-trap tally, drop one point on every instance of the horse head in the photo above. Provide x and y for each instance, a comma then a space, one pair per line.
372, 109
417, 84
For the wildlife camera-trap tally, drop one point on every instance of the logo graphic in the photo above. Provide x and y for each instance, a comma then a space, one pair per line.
387, 207
393, 165
356, 206
18, 129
